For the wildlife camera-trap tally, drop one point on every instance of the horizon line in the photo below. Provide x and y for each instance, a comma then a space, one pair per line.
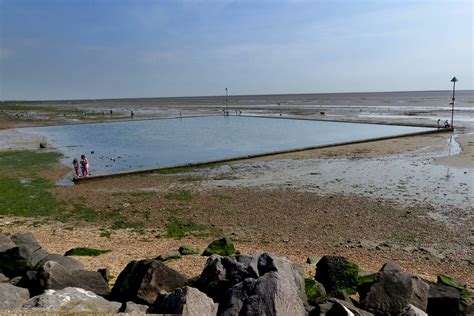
222, 95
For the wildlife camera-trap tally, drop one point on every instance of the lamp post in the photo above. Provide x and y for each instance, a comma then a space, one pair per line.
226, 99
452, 103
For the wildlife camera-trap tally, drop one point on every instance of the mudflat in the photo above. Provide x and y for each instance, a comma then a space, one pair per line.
407, 200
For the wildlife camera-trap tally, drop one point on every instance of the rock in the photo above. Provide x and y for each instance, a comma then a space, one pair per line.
55, 276
223, 247
270, 294
414, 311
142, 281
392, 292
391, 267
105, 273
68, 263
42, 145
221, 273
3, 278
186, 250
5, 243
457, 284
443, 300
315, 291
169, 256
72, 300
131, 307
26, 239
337, 273
12, 296
19, 259
186, 301
313, 260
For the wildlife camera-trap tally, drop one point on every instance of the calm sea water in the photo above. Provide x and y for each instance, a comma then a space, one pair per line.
121, 146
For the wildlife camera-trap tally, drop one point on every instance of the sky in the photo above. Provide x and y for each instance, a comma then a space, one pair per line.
84, 49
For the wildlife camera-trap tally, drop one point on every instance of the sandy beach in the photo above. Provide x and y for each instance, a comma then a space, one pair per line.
408, 200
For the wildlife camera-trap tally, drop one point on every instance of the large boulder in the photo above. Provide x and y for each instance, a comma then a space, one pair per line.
186, 301
55, 276
133, 308
12, 296
271, 294
443, 300
26, 239
68, 263
223, 247
17, 260
72, 300
142, 281
392, 292
337, 273
221, 273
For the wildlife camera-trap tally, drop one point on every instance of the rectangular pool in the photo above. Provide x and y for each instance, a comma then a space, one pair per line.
123, 146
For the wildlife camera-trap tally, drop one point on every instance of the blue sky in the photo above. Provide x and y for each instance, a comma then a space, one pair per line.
69, 49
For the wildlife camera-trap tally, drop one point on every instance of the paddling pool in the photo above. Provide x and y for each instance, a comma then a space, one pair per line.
147, 144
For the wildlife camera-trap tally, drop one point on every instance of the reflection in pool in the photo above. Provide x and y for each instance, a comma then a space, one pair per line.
122, 146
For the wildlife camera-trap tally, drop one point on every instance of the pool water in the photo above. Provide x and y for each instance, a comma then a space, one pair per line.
123, 146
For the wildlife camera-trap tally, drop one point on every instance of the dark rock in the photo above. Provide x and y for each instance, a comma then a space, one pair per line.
131, 307
5, 243
457, 284
28, 280
12, 296
184, 301
142, 281
55, 276
221, 273
337, 273
186, 250
223, 247
19, 259
105, 273
391, 267
72, 300
169, 256
392, 292
68, 263
443, 300
270, 294
42, 145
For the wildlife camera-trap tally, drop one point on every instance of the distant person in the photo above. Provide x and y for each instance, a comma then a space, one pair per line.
132, 114
84, 166
446, 124
111, 112
75, 163
439, 120
180, 115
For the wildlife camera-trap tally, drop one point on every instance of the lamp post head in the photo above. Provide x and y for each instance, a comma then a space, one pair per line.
454, 79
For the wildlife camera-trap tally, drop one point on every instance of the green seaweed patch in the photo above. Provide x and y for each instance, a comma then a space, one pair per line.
178, 228
179, 196
85, 251
457, 284
315, 293
223, 247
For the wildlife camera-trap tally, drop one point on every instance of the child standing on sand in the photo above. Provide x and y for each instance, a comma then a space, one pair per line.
75, 163
84, 166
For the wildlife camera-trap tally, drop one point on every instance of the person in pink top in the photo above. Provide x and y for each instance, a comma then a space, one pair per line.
84, 166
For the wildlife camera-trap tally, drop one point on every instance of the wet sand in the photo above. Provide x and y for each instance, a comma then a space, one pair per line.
408, 200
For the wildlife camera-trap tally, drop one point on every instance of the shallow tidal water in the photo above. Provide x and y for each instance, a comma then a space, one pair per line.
123, 146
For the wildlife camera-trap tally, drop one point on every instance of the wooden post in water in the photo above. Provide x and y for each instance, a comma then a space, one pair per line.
452, 103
